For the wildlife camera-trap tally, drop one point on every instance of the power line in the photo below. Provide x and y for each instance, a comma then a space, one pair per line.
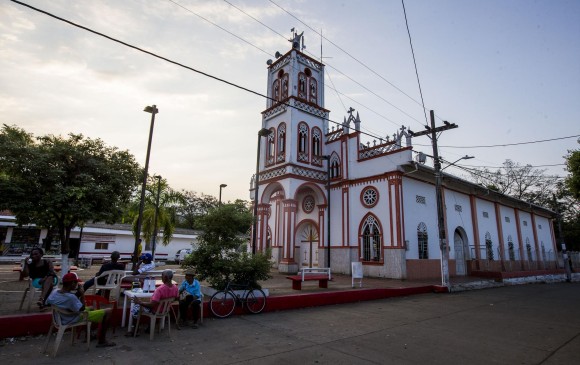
220, 27
171, 61
514, 144
414, 62
348, 54
503, 167
328, 64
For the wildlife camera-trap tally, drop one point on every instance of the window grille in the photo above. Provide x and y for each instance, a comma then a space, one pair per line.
423, 240
511, 251
420, 199
489, 246
371, 240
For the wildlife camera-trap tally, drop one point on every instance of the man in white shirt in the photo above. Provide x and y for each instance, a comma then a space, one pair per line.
145, 264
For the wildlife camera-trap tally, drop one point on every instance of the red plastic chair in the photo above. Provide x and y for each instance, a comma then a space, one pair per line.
99, 302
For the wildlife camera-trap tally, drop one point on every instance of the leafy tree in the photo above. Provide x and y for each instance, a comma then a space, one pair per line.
573, 167
59, 182
534, 186
194, 208
521, 182
169, 201
222, 249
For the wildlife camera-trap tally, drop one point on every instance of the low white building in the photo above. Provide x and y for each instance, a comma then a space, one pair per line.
95, 241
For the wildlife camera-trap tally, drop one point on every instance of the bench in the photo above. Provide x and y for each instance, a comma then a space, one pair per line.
322, 274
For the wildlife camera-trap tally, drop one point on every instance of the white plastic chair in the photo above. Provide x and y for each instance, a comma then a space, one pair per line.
162, 312
114, 278
57, 324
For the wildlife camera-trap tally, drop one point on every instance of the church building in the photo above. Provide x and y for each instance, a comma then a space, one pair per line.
327, 198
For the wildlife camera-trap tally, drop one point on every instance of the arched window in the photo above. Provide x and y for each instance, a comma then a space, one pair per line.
285, 86
313, 90
423, 241
302, 85
316, 136
488, 246
270, 147
276, 90
371, 239
281, 143
511, 250
529, 250
303, 142
334, 167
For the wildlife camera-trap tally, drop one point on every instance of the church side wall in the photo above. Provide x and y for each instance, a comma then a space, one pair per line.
418, 210
458, 215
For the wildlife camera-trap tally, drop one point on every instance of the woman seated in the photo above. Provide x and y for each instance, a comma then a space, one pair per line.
42, 274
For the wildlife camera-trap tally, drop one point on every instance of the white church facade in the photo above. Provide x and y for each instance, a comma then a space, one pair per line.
326, 198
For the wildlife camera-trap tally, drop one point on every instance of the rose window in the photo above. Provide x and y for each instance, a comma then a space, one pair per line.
308, 204
370, 197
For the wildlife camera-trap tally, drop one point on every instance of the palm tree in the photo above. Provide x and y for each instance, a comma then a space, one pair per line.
169, 201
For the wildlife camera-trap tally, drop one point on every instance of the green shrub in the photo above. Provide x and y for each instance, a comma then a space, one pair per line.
221, 254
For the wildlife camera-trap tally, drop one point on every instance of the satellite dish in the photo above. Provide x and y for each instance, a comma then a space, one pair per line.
269, 62
278, 54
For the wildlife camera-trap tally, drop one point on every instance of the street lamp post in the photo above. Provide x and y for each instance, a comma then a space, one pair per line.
154, 239
441, 216
327, 158
221, 187
153, 110
261, 133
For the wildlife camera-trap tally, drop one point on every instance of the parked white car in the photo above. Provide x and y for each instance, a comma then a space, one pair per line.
181, 254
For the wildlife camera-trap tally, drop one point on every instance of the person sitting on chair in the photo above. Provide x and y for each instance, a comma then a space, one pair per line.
167, 290
190, 295
41, 272
112, 265
145, 264
65, 299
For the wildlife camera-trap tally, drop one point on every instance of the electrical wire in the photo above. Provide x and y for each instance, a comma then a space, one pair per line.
415, 62
515, 144
173, 62
348, 54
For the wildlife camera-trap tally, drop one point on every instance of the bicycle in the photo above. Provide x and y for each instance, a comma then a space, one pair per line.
223, 302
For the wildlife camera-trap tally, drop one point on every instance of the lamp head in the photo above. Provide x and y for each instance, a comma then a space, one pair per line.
264, 132
223, 185
151, 109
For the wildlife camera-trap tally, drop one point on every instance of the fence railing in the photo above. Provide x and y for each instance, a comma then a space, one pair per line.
515, 259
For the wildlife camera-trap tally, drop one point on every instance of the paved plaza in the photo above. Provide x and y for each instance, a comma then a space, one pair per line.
523, 324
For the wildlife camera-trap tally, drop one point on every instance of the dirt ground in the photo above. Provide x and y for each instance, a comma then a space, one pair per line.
11, 289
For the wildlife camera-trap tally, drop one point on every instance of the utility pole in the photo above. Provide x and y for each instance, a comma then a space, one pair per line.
432, 133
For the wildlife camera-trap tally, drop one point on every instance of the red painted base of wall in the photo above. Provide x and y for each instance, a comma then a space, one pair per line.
500, 275
39, 323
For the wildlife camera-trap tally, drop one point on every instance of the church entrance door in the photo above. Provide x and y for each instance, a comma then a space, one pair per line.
460, 245
309, 246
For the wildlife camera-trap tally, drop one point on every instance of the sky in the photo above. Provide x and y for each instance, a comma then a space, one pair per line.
505, 71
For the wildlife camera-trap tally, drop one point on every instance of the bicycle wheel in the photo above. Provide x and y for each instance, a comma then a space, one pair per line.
222, 304
256, 301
